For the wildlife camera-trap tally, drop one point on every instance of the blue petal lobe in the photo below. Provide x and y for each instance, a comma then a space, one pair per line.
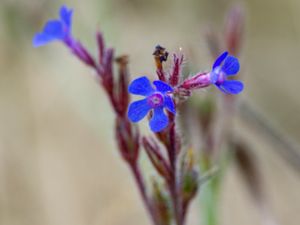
231, 86
66, 15
54, 29
220, 59
41, 39
169, 104
159, 120
231, 65
138, 110
141, 86
162, 86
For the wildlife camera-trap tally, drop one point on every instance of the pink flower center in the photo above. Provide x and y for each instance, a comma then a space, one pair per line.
155, 100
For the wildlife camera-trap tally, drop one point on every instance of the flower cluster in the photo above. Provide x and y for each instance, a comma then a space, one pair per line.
156, 99
225, 65
168, 203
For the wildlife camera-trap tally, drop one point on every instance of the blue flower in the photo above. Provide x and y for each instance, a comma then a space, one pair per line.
156, 99
224, 66
57, 29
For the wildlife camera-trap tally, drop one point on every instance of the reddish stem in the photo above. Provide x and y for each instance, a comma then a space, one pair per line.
142, 188
172, 153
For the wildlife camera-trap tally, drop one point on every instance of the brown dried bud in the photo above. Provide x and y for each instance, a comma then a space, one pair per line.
121, 93
160, 53
160, 56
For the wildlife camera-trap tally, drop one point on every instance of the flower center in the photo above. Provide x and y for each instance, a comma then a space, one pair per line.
217, 76
155, 100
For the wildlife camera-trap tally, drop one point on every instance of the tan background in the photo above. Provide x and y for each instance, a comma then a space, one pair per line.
58, 160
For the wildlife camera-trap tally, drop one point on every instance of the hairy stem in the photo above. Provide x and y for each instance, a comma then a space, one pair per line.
172, 153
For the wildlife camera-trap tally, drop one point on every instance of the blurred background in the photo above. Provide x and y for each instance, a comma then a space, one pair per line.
58, 160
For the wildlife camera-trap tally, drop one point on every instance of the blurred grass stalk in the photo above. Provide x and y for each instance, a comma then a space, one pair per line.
217, 120
219, 145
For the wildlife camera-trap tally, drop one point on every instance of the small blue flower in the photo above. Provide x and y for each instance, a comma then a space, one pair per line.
57, 29
224, 66
156, 99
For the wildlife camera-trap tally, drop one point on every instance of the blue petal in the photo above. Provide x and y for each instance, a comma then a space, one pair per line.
162, 86
138, 110
220, 59
159, 120
231, 86
141, 86
66, 16
169, 104
41, 39
54, 28
231, 65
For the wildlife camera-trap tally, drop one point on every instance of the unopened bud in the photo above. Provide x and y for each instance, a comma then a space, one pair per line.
200, 80
176, 69
162, 206
189, 177
189, 184
122, 92
128, 139
156, 158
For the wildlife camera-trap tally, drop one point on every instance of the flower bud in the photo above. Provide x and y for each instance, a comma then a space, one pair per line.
162, 206
156, 158
176, 69
189, 177
200, 80
121, 93
128, 140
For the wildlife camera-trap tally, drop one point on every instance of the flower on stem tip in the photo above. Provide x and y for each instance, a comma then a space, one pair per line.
57, 29
224, 66
156, 99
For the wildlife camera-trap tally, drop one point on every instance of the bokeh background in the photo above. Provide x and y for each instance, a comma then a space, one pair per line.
58, 159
